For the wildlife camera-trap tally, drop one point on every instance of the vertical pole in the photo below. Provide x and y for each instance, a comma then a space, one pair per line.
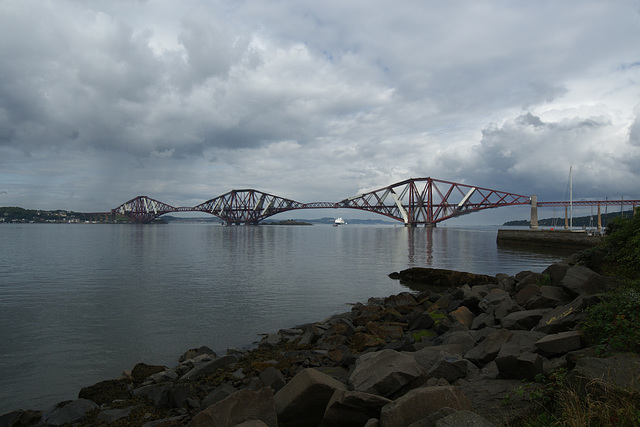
599, 220
534, 212
566, 217
571, 197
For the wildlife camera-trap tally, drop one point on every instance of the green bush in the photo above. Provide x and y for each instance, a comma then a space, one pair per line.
614, 323
623, 247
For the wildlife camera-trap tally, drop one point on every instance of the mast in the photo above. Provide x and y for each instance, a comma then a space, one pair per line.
570, 199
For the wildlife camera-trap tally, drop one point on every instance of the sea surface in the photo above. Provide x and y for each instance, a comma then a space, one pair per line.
80, 303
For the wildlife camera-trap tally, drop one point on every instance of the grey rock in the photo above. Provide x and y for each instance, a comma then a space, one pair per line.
523, 320
462, 338
190, 354
556, 272
421, 402
580, 280
566, 317
112, 415
272, 377
384, 372
352, 408
463, 418
492, 300
221, 392
242, 406
483, 320
512, 362
560, 343
304, 399
594, 375
20, 417
526, 293
210, 367
72, 412
488, 400
548, 297
489, 348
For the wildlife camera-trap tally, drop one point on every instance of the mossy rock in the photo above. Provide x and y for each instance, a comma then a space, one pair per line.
437, 316
419, 336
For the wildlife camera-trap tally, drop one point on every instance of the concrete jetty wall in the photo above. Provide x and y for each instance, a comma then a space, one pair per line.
553, 238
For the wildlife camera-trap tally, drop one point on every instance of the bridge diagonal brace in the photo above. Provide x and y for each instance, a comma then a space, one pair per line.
401, 208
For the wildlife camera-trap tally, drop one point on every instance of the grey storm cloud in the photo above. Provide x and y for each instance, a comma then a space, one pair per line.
104, 100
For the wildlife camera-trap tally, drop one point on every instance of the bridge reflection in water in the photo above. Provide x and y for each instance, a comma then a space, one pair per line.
415, 201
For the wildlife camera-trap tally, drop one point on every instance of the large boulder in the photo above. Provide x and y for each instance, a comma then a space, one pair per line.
210, 367
523, 320
463, 418
435, 277
72, 412
579, 280
621, 371
420, 403
384, 372
303, 401
244, 405
489, 348
352, 408
107, 391
443, 361
561, 343
513, 362
496, 400
548, 297
566, 317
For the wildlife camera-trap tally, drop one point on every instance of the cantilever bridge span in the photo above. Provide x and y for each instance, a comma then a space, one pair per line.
415, 201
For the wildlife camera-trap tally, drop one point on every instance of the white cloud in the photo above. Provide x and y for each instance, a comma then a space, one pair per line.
307, 100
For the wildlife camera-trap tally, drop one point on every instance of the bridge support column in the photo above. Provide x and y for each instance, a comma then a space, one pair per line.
599, 221
566, 217
534, 212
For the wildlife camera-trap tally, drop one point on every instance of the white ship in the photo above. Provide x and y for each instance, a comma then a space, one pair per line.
339, 221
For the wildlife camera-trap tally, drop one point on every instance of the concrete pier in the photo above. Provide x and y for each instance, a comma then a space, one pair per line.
549, 238
534, 212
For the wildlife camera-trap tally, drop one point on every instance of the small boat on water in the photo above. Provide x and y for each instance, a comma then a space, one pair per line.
339, 221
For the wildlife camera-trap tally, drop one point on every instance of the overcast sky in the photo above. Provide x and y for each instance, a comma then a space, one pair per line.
101, 101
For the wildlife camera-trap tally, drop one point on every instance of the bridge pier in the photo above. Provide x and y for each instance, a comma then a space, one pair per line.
534, 212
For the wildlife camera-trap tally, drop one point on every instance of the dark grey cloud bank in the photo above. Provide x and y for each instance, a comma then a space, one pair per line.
101, 101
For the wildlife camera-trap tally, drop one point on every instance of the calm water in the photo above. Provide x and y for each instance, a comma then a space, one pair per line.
80, 303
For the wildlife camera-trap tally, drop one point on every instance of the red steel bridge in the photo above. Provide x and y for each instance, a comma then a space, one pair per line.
415, 201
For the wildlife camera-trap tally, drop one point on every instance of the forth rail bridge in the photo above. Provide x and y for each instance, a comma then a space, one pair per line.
415, 201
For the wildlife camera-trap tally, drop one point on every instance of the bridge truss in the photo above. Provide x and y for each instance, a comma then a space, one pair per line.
429, 201
415, 201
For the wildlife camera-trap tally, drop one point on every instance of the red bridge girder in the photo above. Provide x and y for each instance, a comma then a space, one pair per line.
429, 201
413, 201
143, 209
246, 206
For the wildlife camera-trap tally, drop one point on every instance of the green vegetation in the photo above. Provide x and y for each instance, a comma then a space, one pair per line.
19, 215
612, 325
579, 222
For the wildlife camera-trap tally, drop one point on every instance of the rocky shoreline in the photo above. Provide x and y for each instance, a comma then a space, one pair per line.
449, 355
